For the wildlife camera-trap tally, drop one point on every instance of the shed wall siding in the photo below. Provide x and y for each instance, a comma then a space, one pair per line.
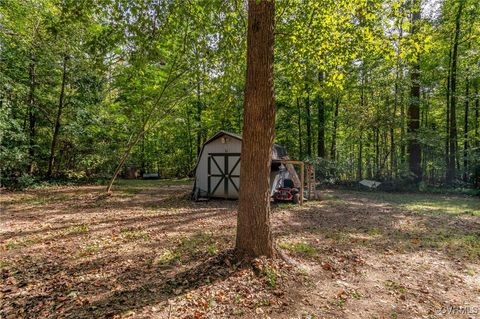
216, 146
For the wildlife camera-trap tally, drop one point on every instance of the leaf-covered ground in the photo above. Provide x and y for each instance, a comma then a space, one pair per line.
147, 251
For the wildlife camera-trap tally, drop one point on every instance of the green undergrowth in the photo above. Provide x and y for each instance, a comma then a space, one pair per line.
197, 245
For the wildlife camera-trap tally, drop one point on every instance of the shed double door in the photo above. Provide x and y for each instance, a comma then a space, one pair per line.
223, 175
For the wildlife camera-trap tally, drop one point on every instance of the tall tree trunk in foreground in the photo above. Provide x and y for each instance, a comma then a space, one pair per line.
414, 150
254, 237
453, 99
56, 131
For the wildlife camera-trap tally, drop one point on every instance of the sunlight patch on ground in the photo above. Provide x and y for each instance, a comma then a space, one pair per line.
443, 207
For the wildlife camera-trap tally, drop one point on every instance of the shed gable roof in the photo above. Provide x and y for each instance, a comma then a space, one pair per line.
220, 134
278, 152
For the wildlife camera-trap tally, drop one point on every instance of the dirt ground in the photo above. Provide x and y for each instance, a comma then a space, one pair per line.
147, 251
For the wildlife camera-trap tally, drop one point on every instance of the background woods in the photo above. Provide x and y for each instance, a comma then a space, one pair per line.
365, 89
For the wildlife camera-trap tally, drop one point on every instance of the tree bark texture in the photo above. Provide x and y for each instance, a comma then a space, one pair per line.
32, 118
333, 149
465, 128
56, 130
254, 237
413, 125
321, 121
451, 172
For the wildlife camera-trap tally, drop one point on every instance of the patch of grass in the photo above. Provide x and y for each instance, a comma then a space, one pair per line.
263, 302
341, 302
212, 303
4, 264
356, 295
271, 276
168, 257
334, 199
238, 312
131, 190
466, 245
459, 245
134, 234
285, 205
447, 206
338, 236
395, 286
90, 249
374, 232
141, 183
191, 243
12, 244
212, 249
200, 242
430, 203
300, 248
44, 200
78, 229
15, 244
470, 271
136, 186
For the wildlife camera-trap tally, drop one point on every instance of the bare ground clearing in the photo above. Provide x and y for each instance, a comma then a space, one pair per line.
147, 251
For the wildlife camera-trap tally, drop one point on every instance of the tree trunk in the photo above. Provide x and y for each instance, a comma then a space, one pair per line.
377, 152
360, 159
425, 123
32, 119
309, 125
254, 237
143, 169
360, 140
199, 119
476, 170
402, 129
447, 126
321, 121
398, 76
56, 130
399, 95
477, 115
393, 151
333, 149
299, 124
465, 128
451, 170
189, 138
414, 149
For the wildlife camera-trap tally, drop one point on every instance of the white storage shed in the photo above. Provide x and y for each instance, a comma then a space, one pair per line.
217, 173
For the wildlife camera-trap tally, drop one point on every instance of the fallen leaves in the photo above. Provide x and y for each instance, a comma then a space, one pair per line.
154, 254
327, 266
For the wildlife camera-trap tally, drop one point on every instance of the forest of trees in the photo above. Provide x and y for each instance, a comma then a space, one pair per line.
381, 89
